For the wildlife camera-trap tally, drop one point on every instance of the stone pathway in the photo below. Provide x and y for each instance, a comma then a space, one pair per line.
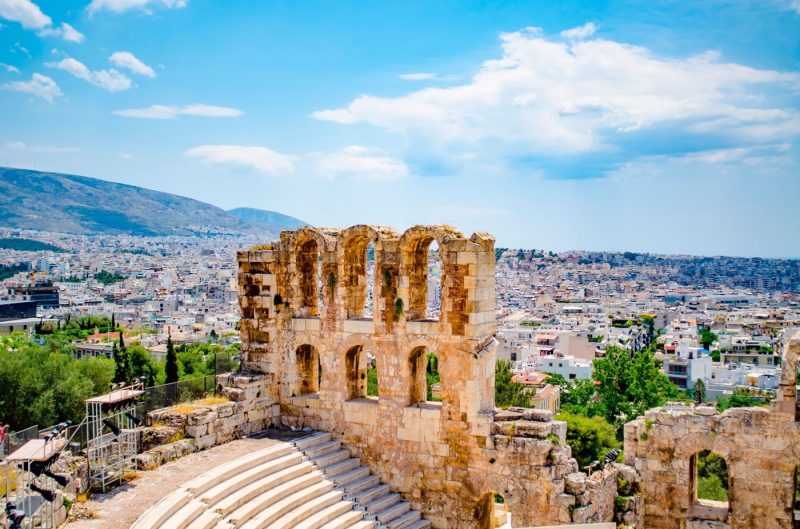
120, 507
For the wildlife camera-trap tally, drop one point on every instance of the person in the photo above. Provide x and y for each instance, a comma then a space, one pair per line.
3, 434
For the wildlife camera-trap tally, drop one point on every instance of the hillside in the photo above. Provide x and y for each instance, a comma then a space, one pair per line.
28, 245
269, 220
78, 204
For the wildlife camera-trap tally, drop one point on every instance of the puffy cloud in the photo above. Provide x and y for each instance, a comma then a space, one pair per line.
9, 68
110, 80
360, 163
259, 159
66, 32
546, 98
126, 59
420, 76
581, 32
172, 111
25, 12
120, 6
39, 85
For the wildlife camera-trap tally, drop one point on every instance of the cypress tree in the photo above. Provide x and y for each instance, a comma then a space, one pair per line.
120, 371
113, 322
171, 367
699, 391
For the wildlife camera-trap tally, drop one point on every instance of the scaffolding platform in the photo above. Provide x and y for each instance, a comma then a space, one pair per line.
112, 430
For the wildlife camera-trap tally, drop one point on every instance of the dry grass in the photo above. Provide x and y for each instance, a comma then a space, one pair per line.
210, 401
184, 408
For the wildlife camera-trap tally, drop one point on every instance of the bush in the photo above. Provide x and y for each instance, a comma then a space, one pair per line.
589, 437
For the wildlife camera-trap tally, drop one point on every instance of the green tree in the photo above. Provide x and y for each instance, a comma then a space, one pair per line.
171, 367
699, 391
506, 391
629, 384
589, 437
45, 385
707, 338
712, 476
120, 357
141, 365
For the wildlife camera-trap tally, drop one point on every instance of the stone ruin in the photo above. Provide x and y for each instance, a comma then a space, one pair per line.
307, 341
303, 327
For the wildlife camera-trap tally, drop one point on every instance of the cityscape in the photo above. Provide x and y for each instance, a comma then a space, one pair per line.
399, 264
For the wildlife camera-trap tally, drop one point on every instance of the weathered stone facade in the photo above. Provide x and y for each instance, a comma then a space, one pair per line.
760, 446
302, 307
303, 327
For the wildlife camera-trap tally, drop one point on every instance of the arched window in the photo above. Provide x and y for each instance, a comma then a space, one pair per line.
309, 371
308, 267
433, 305
425, 279
425, 385
710, 473
359, 276
362, 373
502, 514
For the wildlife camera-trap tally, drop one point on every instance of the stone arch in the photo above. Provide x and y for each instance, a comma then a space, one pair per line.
354, 352
309, 369
353, 243
414, 245
309, 246
417, 361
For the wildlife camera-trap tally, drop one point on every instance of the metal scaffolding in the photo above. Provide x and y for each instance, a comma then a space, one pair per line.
32, 494
112, 456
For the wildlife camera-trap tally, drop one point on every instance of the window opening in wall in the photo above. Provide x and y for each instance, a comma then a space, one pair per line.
434, 286
711, 476
369, 301
372, 375
433, 386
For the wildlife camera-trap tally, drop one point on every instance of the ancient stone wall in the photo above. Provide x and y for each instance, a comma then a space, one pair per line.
303, 325
760, 446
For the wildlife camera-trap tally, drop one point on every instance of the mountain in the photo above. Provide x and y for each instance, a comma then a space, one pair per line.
269, 220
79, 204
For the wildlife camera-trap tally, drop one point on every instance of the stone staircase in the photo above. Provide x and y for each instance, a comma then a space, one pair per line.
382, 507
310, 484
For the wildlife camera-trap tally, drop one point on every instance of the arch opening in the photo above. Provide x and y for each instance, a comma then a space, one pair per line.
425, 279
359, 277
309, 370
308, 270
796, 496
425, 380
710, 478
362, 374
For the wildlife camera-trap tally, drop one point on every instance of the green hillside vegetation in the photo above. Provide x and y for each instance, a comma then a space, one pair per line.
28, 245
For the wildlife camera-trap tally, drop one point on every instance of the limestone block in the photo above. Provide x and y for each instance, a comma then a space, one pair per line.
197, 430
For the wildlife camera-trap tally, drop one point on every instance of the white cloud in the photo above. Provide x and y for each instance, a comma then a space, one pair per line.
126, 156
110, 80
66, 32
120, 6
580, 32
360, 163
172, 111
19, 146
260, 159
420, 76
794, 5
547, 97
126, 59
25, 12
9, 68
39, 85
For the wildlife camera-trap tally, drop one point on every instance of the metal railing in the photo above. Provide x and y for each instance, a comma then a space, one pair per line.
166, 395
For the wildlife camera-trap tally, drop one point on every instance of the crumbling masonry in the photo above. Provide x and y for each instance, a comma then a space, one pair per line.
306, 339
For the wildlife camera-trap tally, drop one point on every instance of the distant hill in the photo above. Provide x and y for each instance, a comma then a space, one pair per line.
79, 204
269, 220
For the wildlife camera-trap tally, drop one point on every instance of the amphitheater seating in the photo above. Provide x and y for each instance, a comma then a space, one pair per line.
312, 483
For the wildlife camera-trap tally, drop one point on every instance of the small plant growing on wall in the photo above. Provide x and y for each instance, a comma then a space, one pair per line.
387, 279
398, 309
332, 284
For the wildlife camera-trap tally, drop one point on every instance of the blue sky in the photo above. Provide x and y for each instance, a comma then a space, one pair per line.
650, 126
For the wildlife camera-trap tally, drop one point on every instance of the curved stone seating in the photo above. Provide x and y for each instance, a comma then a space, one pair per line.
311, 484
